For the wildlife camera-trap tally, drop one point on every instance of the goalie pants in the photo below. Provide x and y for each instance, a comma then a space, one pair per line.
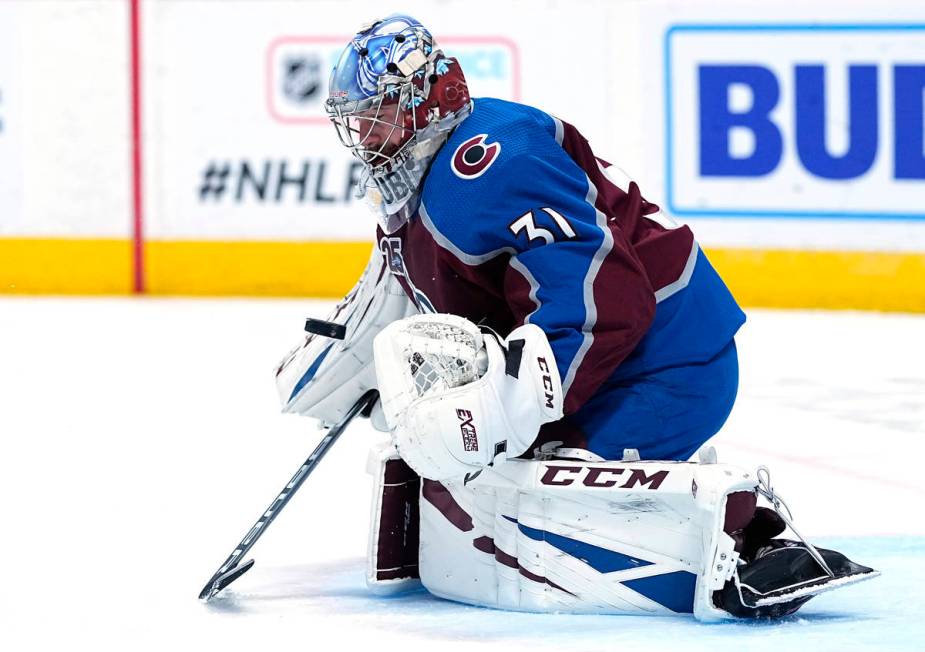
666, 415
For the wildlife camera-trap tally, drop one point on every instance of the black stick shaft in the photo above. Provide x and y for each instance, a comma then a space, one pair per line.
212, 587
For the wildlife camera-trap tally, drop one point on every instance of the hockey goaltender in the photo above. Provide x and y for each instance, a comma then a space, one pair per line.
549, 350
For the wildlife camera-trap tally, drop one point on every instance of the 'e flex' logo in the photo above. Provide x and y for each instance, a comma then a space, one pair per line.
796, 120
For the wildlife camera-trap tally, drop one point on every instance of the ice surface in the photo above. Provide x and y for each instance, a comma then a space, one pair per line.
141, 438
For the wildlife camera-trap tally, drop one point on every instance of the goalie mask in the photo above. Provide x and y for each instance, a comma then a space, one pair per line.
393, 98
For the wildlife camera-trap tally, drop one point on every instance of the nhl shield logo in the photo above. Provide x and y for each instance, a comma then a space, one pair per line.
301, 77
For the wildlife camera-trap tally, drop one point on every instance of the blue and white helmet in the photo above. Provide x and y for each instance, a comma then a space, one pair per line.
376, 52
393, 98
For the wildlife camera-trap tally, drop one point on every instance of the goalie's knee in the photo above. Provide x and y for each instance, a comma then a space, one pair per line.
667, 415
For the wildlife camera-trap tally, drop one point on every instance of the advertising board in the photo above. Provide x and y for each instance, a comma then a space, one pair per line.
795, 120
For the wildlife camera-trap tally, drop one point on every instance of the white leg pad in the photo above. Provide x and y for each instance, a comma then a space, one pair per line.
578, 537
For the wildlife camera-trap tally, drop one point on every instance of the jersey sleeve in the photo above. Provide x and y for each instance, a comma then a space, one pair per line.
572, 272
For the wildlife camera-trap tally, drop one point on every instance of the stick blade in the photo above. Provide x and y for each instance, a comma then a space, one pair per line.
216, 584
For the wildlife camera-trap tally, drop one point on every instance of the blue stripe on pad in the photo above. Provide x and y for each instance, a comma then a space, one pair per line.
600, 559
672, 590
309, 373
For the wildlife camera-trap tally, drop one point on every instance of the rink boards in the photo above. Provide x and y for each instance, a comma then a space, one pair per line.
144, 151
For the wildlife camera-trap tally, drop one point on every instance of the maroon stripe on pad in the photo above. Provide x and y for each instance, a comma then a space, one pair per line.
505, 559
487, 545
740, 508
441, 498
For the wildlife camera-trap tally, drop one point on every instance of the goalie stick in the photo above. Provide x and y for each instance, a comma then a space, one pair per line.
230, 570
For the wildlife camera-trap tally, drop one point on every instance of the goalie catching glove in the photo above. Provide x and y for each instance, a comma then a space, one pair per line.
455, 398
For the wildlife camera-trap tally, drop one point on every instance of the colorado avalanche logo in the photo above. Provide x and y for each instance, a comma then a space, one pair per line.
473, 157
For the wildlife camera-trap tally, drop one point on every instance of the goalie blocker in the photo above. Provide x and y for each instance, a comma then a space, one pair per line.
557, 535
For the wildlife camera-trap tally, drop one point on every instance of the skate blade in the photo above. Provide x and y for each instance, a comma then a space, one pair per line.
810, 589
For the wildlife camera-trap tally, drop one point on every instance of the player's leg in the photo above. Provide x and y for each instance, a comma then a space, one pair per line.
617, 537
667, 415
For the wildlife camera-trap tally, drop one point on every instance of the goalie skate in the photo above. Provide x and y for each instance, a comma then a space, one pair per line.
783, 576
